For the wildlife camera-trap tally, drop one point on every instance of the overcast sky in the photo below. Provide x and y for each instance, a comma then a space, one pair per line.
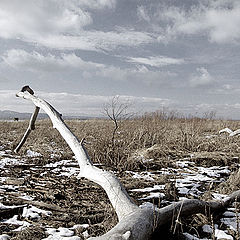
178, 54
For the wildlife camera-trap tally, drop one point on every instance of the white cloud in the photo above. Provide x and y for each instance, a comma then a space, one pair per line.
9, 101
92, 105
96, 4
158, 61
34, 61
227, 89
71, 63
29, 19
219, 20
61, 25
68, 103
202, 78
96, 40
142, 13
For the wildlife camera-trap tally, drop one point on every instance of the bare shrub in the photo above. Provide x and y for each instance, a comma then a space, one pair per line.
162, 136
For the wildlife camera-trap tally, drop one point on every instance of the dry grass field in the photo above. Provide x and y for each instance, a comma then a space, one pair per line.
152, 150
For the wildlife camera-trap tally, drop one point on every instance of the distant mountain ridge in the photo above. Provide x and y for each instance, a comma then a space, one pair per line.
10, 115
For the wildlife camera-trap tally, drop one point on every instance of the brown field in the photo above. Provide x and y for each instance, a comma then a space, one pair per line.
162, 137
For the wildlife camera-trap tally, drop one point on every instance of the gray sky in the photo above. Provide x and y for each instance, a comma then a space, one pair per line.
178, 54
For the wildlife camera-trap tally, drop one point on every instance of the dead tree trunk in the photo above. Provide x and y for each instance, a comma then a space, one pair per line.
135, 223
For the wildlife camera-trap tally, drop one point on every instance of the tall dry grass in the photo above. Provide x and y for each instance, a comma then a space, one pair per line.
159, 135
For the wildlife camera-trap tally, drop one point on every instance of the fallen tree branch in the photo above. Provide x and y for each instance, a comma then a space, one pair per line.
135, 223
117, 195
29, 129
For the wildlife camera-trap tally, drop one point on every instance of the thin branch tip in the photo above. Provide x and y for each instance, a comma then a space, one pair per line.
27, 88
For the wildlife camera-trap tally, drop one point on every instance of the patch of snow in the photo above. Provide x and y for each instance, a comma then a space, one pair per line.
215, 171
33, 212
3, 179
2, 153
147, 205
207, 228
183, 190
53, 155
26, 197
15, 221
8, 187
183, 164
85, 234
31, 153
220, 234
4, 237
182, 198
80, 225
229, 214
191, 237
153, 195
9, 161
44, 173
143, 175
68, 172
147, 160
211, 136
60, 163
60, 234
149, 189
2, 206
218, 196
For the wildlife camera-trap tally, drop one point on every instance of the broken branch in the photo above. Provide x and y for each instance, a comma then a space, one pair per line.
31, 127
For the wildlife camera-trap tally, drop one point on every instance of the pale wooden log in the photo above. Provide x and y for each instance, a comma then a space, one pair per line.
117, 195
31, 127
142, 223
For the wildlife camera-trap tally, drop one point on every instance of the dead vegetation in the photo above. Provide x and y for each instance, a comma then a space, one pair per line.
160, 136
151, 142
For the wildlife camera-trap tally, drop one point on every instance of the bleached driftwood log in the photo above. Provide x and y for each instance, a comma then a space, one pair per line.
31, 127
135, 223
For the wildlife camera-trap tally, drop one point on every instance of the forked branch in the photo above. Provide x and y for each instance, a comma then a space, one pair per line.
31, 127
118, 196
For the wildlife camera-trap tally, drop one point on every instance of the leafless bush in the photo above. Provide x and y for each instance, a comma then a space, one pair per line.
172, 135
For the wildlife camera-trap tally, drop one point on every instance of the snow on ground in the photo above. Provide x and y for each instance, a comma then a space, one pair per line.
188, 179
64, 168
142, 175
2, 206
31, 153
14, 220
220, 234
4, 237
153, 195
34, 213
10, 161
65, 233
149, 189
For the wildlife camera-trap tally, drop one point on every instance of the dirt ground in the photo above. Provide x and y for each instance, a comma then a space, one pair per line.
44, 175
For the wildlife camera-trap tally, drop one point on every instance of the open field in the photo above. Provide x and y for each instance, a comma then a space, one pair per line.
160, 158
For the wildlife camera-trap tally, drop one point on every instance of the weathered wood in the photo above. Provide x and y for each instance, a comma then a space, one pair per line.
117, 195
29, 129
